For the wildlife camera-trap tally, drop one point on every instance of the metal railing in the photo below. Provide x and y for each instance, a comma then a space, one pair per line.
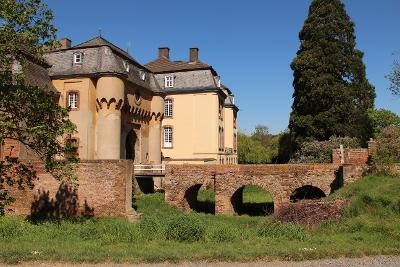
149, 169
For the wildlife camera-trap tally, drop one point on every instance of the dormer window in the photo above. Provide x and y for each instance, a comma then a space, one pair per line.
127, 67
78, 58
142, 75
218, 81
169, 81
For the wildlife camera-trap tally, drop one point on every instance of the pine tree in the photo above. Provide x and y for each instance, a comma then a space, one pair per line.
331, 92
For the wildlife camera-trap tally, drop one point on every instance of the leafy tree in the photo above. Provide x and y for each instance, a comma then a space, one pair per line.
251, 151
394, 78
262, 134
284, 147
28, 114
259, 147
267, 140
388, 146
331, 92
382, 118
321, 151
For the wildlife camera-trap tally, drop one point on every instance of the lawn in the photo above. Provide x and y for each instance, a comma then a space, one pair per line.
370, 226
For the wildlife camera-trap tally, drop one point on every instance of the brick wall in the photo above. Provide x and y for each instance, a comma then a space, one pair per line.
10, 148
183, 181
104, 189
357, 156
351, 156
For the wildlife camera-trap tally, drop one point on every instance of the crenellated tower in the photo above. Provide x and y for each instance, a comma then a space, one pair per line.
110, 94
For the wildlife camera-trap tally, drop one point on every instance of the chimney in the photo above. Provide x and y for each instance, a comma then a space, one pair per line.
65, 43
194, 54
163, 52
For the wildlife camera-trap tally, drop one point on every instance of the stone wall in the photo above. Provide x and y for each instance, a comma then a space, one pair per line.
182, 182
104, 189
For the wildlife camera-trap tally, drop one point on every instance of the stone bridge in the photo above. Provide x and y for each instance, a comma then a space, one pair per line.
182, 182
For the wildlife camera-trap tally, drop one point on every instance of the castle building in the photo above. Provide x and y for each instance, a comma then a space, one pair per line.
115, 102
199, 124
171, 111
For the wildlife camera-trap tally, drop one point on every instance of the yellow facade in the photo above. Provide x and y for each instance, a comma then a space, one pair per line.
195, 128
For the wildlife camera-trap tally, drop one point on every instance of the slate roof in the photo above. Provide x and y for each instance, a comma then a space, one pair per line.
37, 75
163, 65
100, 57
35, 71
100, 41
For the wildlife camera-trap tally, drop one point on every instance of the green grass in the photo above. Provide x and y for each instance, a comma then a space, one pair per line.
370, 226
254, 194
251, 194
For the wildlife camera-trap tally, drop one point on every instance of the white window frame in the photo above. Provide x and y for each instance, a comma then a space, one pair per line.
168, 136
73, 99
168, 105
169, 81
78, 58
142, 75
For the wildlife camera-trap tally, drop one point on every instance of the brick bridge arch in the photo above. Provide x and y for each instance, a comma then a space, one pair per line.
183, 181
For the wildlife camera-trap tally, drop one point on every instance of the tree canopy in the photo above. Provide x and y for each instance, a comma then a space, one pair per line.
331, 92
382, 118
29, 113
259, 147
394, 78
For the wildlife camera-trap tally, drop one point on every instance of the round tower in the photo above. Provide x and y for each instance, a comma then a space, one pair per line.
109, 97
157, 108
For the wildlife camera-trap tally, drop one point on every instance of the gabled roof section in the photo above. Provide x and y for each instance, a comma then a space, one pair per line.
100, 41
164, 65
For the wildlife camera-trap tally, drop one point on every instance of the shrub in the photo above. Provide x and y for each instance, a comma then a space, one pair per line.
151, 228
222, 233
388, 146
185, 229
12, 227
321, 151
276, 229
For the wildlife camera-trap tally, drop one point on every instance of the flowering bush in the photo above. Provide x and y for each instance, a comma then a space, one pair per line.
321, 151
388, 149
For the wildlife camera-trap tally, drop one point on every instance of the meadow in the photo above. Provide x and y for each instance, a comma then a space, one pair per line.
369, 226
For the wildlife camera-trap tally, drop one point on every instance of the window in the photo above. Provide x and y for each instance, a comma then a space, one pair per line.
169, 81
168, 108
142, 75
168, 136
127, 67
73, 99
78, 58
234, 142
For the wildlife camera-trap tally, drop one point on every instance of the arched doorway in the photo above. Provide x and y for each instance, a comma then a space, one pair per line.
252, 200
130, 146
306, 192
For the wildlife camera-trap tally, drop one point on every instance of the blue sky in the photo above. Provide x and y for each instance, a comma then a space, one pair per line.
250, 43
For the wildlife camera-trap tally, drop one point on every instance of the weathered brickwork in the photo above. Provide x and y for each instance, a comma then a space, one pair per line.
354, 155
104, 189
351, 156
10, 148
183, 181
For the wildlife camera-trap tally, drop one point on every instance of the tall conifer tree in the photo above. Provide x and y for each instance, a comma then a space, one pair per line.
331, 92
